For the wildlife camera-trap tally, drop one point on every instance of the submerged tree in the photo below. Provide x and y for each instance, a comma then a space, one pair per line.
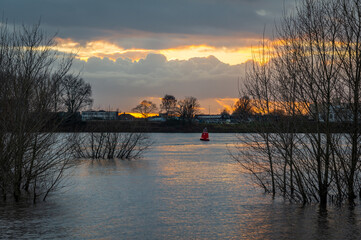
258, 84
349, 89
111, 145
315, 70
32, 158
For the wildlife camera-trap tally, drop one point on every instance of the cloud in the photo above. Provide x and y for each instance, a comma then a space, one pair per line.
124, 83
134, 28
262, 12
104, 49
163, 36
94, 19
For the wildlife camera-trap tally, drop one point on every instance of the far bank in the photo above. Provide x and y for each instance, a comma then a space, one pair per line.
191, 127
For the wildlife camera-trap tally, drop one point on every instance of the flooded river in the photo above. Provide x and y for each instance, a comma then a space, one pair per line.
181, 189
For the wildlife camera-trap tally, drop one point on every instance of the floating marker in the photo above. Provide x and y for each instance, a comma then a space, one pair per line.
204, 136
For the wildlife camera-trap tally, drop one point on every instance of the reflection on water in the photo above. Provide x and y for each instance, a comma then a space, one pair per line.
182, 189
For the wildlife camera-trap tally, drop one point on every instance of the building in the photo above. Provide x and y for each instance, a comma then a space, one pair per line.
157, 119
98, 115
126, 117
213, 118
336, 113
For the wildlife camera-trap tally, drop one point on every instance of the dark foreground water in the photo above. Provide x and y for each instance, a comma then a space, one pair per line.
182, 189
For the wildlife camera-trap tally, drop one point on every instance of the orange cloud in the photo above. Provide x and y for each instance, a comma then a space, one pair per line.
231, 56
102, 49
226, 103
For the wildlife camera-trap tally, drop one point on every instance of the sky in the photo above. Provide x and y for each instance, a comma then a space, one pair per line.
131, 50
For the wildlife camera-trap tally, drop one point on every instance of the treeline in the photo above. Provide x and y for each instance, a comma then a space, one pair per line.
313, 65
170, 107
189, 107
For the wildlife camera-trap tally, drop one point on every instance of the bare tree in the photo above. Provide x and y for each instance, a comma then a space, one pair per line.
315, 52
109, 145
316, 48
243, 108
188, 108
169, 105
145, 108
349, 53
33, 159
75, 93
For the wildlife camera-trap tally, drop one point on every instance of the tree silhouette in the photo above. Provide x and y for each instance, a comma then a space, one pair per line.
243, 108
169, 105
145, 108
188, 108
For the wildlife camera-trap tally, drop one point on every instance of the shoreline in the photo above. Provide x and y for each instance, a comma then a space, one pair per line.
186, 127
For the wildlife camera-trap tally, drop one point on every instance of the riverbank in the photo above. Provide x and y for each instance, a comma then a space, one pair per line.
186, 127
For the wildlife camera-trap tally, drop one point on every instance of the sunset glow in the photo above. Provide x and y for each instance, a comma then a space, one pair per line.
104, 49
226, 103
226, 55
139, 115
100, 49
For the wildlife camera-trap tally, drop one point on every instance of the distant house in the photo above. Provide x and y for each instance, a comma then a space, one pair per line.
336, 113
212, 118
126, 117
236, 118
68, 116
157, 119
98, 115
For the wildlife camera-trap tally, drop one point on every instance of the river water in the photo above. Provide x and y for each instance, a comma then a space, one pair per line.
181, 189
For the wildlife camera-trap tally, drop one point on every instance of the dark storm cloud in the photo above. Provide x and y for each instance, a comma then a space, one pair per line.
90, 19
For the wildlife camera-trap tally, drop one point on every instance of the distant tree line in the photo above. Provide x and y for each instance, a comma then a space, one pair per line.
189, 107
313, 66
185, 109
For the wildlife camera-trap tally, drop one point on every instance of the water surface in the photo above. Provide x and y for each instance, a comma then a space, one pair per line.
182, 189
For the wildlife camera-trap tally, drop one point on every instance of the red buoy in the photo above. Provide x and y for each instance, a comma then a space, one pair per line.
204, 136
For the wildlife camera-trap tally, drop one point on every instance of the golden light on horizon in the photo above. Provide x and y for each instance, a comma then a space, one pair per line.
226, 103
104, 49
100, 49
226, 55
139, 115
260, 107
